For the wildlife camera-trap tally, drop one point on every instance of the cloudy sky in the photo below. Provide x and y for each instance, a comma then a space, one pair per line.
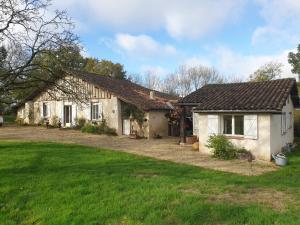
234, 36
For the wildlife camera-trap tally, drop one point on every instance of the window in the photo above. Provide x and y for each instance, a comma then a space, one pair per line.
46, 109
96, 114
283, 123
233, 124
227, 124
239, 125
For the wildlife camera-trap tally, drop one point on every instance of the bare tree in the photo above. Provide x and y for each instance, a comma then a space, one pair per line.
188, 79
135, 78
152, 81
36, 46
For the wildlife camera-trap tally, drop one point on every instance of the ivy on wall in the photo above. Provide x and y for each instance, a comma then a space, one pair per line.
133, 113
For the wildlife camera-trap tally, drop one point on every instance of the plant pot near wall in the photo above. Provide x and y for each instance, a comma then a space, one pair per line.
191, 139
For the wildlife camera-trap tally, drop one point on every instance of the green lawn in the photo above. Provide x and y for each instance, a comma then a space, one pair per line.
48, 183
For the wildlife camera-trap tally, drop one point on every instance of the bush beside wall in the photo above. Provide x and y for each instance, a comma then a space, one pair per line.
222, 148
103, 128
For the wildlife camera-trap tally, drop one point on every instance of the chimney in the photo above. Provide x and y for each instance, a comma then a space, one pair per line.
152, 95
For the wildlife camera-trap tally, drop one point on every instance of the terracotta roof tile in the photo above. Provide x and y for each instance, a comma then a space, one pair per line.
250, 96
129, 92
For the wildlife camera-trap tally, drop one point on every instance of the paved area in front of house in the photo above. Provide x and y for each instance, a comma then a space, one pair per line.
164, 149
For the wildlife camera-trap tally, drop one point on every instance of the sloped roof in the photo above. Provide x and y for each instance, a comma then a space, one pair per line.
125, 90
268, 96
128, 92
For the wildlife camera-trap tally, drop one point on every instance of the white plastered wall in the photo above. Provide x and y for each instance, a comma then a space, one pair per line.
279, 139
158, 123
111, 109
260, 147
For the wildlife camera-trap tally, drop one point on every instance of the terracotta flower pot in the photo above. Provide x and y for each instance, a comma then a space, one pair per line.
191, 139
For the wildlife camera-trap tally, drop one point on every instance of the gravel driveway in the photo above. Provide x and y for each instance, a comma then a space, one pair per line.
164, 149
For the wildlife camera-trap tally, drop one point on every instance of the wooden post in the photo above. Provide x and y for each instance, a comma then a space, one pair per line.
182, 125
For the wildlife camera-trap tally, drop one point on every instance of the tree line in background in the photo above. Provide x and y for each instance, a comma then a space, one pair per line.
183, 81
37, 46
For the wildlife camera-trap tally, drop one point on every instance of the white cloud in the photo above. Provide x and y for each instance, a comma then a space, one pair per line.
196, 61
190, 18
279, 12
232, 63
281, 28
156, 70
142, 46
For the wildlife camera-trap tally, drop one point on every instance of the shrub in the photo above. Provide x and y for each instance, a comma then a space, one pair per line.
98, 129
42, 122
54, 121
80, 122
222, 148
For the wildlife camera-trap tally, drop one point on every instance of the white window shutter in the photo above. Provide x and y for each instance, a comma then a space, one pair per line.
283, 123
49, 109
100, 110
87, 111
62, 112
250, 126
196, 124
42, 109
213, 124
74, 113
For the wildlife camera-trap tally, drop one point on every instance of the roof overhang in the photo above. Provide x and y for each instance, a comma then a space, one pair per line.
236, 111
187, 104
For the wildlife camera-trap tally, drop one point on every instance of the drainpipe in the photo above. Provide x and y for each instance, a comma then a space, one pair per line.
182, 125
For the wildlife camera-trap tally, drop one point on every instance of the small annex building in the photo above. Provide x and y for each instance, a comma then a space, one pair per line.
258, 116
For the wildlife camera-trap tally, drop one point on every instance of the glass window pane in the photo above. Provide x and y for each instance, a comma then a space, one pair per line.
45, 113
227, 124
95, 111
239, 125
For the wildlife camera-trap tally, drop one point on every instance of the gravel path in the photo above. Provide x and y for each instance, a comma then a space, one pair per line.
164, 149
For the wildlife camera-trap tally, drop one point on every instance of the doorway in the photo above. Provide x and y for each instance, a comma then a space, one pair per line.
126, 127
67, 115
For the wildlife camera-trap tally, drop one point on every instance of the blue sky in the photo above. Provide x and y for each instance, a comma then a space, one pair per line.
234, 36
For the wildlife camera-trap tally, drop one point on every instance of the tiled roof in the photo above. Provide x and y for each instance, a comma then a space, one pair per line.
128, 92
268, 96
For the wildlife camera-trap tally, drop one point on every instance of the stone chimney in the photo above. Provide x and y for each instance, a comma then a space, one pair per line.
152, 95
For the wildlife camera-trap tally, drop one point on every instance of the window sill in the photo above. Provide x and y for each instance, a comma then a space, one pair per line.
236, 137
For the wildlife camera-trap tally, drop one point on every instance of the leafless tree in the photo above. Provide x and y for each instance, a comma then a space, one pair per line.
152, 80
35, 45
188, 79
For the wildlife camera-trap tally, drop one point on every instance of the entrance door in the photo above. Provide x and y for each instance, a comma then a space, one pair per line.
67, 115
126, 127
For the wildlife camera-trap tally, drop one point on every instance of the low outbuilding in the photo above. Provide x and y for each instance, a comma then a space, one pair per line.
258, 116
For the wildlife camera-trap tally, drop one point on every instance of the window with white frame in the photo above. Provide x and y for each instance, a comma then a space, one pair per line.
283, 123
96, 111
46, 109
233, 124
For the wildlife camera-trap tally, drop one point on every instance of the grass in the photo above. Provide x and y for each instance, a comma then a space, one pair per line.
50, 183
